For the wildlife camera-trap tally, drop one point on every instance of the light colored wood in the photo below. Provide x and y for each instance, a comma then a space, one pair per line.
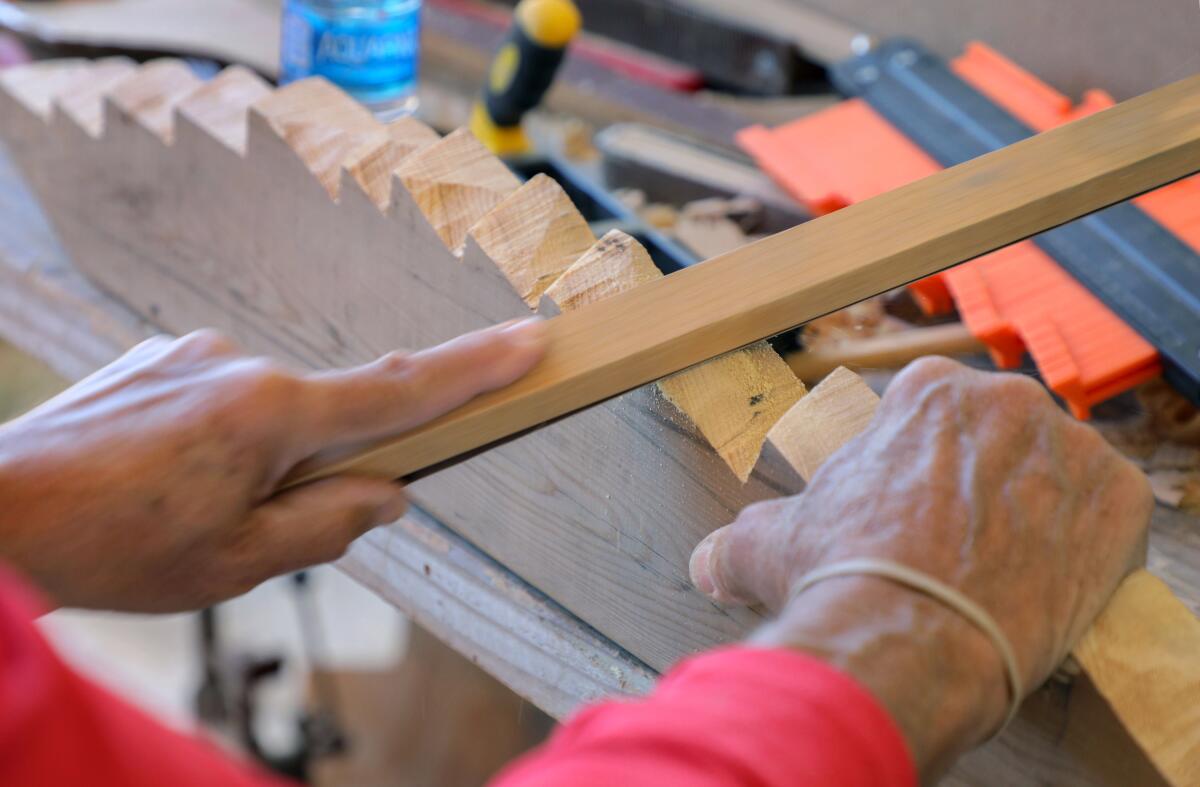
822, 265
219, 106
533, 235
455, 182
820, 423
82, 103
1140, 654
885, 351
616, 263
149, 94
324, 126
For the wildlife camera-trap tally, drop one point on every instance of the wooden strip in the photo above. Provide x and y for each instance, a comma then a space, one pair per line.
884, 351
1140, 654
954, 215
84, 103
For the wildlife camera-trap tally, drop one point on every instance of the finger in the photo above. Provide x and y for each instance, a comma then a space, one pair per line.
399, 391
749, 561
314, 523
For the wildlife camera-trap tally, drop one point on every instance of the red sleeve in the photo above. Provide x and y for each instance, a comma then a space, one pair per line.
739, 716
58, 728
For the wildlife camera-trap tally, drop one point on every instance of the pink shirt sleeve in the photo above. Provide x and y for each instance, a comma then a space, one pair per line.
58, 728
739, 716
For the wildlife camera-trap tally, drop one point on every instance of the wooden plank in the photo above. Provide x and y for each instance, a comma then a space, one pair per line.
618, 344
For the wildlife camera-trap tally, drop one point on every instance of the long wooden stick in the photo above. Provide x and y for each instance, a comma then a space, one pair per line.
620, 343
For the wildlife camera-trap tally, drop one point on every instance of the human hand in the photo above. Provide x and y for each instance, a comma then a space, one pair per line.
978, 480
149, 485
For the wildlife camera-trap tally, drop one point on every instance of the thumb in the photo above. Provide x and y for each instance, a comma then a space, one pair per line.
748, 562
316, 522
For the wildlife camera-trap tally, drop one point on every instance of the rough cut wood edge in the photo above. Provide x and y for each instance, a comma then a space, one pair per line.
836, 410
324, 126
1142, 654
732, 400
149, 94
533, 236
220, 106
82, 103
455, 182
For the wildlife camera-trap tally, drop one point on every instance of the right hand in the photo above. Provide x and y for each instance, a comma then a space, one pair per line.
977, 479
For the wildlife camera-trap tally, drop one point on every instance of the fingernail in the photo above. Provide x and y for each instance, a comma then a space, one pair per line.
531, 330
698, 566
392, 510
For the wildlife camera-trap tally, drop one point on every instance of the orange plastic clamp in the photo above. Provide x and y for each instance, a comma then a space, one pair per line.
1015, 300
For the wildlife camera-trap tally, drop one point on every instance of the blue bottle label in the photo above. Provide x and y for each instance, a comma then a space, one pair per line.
373, 56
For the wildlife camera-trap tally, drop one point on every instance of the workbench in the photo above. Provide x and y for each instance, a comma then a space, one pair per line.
508, 626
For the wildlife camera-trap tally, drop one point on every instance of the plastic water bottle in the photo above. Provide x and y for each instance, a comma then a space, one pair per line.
369, 48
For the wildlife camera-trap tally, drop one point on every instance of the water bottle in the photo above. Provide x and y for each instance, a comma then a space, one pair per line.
369, 48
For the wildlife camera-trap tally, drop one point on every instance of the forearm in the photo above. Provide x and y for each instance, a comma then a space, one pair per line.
739, 716
940, 679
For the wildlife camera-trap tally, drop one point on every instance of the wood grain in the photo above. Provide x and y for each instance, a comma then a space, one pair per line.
533, 236
620, 343
198, 234
731, 400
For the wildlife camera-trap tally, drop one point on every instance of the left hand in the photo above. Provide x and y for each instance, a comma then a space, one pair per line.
150, 485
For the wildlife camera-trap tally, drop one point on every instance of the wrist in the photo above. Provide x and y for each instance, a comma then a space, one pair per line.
938, 676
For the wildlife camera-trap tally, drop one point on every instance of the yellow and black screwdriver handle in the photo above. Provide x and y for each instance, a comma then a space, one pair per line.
523, 71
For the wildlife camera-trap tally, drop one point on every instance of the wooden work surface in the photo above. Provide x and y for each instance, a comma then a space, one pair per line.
468, 599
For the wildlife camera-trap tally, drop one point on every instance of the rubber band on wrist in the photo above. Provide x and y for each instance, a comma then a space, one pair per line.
939, 591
